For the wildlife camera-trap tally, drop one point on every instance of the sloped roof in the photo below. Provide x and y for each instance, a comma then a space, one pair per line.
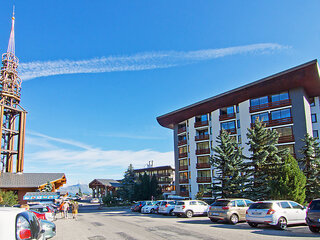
168, 167
107, 182
27, 180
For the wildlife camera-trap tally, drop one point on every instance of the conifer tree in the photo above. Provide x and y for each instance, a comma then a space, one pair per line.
263, 164
155, 189
227, 161
8, 198
310, 165
291, 182
127, 190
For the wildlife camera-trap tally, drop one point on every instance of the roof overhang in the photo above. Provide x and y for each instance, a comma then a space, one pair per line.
305, 76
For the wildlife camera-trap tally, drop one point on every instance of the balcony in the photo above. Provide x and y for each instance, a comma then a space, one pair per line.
201, 137
184, 180
182, 129
227, 116
231, 131
183, 155
203, 165
276, 122
163, 174
270, 105
207, 194
201, 124
182, 142
184, 193
203, 151
203, 179
285, 139
183, 168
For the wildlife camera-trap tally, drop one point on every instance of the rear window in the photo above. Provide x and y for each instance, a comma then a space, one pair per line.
163, 203
315, 205
180, 203
220, 203
261, 206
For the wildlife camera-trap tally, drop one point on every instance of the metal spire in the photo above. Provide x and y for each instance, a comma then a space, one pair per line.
11, 45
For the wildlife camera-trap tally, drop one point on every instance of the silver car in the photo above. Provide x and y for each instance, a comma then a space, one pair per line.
279, 213
48, 229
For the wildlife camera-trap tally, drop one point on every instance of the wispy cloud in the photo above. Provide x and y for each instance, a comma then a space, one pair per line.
137, 62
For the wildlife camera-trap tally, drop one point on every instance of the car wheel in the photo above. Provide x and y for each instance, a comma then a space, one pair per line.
152, 210
189, 214
314, 229
171, 213
213, 220
234, 219
282, 223
254, 225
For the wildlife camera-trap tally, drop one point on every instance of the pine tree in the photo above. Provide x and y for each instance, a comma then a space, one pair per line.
155, 189
8, 198
291, 182
263, 164
227, 162
145, 187
79, 192
310, 165
126, 191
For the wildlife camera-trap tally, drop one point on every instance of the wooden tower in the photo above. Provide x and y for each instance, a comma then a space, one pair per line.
12, 115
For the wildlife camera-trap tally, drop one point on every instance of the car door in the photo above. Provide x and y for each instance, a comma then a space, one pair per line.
194, 207
241, 209
299, 212
287, 211
203, 207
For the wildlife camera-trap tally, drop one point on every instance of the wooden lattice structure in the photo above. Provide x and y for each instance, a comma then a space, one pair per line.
12, 115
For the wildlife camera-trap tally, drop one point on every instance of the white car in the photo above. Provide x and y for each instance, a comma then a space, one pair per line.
150, 207
95, 200
279, 213
189, 208
17, 223
166, 207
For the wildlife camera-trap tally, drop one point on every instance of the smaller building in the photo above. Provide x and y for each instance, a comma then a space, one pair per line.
100, 187
164, 174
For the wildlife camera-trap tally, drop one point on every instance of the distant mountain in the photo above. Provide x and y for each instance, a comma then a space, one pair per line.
73, 189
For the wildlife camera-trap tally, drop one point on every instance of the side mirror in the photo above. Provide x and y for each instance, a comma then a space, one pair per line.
42, 231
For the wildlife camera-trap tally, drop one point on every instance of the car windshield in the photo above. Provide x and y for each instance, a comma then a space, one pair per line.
315, 205
261, 206
149, 203
220, 203
180, 203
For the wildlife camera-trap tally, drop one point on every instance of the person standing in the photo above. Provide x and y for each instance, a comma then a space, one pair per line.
61, 209
65, 209
75, 207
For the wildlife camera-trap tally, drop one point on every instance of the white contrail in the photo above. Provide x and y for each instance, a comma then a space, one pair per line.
142, 61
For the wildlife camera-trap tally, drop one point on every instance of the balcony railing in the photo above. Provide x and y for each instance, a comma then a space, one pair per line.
201, 124
227, 116
163, 174
231, 131
183, 155
203, 165
275, 122
184, 193
182, 142
182, 129
183, 168
203, 151
285, 139
270, 105
184, 180
201, 137
203, 179
207, 194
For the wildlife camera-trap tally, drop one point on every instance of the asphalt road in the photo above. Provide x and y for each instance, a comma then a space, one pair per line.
122, 224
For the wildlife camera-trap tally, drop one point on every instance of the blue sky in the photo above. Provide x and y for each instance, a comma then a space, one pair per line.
96, 74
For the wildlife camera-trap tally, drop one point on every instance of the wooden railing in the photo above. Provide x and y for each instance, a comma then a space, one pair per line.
183, 168
203, 179
183, 155
227, 116
182, 142
201, 137
231, 131
285, 139
203, 151
270, 105
201, 123
184, 180
182, 129
276, 122
203, 165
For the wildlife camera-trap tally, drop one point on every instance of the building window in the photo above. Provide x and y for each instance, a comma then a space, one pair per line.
204, 173
284, 131
228, 125
203, 159
182, 150
312, 102
315, 134
202, 118
237, 108
239, 139
290, 147
202, 145
227, 110
238, 123
280, 114
280, 97
259, 101
314, 118
202, 132
262, 117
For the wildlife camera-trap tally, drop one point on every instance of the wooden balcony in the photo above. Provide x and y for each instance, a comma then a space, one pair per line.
203, 179
203, 165
276, 122
182, 129
203, 151
231, 131
201, 137
227, 116
183, 168
184, 194
270, 105
207, 194
184, 180
183, 155
182, 142
201, 124
286, 139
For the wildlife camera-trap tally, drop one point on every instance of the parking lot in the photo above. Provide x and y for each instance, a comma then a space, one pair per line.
95, 224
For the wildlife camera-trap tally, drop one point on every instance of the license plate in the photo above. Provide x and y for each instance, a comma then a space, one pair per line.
214, 214
256, 213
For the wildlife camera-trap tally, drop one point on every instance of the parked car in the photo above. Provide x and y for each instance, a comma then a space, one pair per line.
47, 210
313, 215
166, 207
150, 207
229, 210
49, 229
17, 223
95, 200
279, 213
39, 215
189, 208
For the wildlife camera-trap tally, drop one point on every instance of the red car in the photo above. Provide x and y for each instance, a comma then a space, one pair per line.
39, 215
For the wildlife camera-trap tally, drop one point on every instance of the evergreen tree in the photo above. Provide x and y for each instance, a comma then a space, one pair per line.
8, 198
138, 194
145, 187
79, 192
310, 165
155, 189
291, 182
227, 161
263, 164
127, 189
47, 187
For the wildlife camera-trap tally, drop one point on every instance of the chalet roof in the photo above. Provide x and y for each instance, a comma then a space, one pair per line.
106, 182
305, 76
27, 180
168, 167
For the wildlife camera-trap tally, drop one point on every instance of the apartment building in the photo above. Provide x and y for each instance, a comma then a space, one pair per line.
287, 102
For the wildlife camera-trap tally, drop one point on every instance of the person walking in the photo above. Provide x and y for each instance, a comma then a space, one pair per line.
65, 209
75, 207
61, 209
